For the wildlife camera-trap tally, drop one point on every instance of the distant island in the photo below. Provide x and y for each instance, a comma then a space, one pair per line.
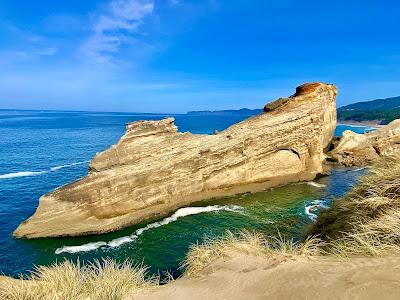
379, 111
228, 112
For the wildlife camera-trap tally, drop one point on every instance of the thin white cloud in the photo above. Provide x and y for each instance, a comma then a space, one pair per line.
112, 28
131, 10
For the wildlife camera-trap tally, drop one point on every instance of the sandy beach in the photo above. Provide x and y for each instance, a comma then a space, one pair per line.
374, 124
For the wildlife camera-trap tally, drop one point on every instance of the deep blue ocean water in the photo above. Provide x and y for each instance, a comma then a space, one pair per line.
40, 151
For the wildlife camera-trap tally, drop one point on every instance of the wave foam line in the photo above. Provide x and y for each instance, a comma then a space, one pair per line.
310, 210
36, 173
180, 213
21, 174
315, 184
69, 165
358, 169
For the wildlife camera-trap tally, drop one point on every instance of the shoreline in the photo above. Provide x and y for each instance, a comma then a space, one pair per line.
373, 124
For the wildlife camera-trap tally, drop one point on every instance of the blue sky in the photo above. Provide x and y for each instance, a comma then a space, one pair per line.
178, 55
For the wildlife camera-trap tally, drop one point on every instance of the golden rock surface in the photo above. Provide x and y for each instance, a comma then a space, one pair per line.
154, 169
362, 149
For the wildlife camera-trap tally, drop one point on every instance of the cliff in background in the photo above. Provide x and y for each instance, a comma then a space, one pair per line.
380, 111
154, 169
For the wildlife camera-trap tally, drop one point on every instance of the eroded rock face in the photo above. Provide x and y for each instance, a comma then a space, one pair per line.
154, 169
362, 149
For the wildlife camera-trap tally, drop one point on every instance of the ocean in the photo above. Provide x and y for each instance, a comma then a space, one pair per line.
42, 150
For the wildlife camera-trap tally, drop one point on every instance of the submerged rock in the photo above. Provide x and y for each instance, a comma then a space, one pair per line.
154, 169
362, 149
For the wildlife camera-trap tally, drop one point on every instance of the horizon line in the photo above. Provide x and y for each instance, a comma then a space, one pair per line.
150, 113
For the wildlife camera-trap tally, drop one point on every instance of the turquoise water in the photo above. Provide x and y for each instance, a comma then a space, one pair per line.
40, 151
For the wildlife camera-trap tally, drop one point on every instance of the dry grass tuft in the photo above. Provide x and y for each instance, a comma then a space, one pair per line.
109, 280
362, 244
200, 256
367, 220
104, 279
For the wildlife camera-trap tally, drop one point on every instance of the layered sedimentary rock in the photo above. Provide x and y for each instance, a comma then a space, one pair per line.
154, 169
362, 149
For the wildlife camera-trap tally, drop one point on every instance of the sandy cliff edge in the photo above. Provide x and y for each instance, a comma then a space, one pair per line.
244, 276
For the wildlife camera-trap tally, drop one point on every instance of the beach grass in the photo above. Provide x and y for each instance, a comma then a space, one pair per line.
367, 220
252, 243
100, 280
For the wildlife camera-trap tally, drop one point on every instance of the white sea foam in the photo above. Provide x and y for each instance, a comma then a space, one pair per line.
122, 240
36, 173
22, 174
358, 169
182, 212
318, 185
310, 209
69, 165
82, 248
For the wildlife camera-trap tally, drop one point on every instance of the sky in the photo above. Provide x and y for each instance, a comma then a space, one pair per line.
181, 55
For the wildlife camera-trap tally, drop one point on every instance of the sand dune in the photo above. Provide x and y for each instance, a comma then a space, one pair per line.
287, 277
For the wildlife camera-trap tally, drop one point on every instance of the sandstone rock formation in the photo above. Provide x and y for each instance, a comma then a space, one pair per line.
154, 169
362, 149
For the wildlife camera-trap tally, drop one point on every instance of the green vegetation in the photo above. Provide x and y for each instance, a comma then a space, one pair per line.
383, 110
378, 104
383, 117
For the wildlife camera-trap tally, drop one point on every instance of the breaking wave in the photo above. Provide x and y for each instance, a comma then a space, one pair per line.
82, 248
21, 174
182, 212
358, 169
315, 184
312, 209
36, 173
69, 165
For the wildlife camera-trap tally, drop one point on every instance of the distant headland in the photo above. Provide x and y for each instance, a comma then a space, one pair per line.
374, 112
